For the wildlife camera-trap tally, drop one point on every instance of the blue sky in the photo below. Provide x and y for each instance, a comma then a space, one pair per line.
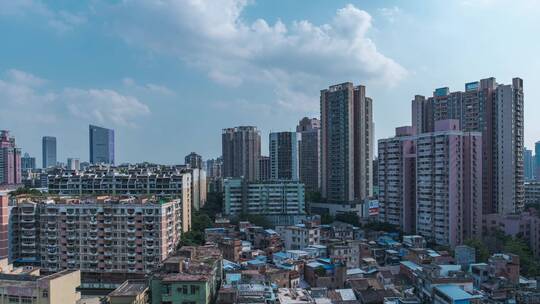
169, 75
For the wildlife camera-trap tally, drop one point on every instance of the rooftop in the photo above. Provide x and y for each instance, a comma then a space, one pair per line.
455, 292
129, 288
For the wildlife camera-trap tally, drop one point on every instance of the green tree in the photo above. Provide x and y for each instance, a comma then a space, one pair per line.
313, 196
528, 264
214, 204
26, 190
199, 222
327, 219
482, 251
348, 217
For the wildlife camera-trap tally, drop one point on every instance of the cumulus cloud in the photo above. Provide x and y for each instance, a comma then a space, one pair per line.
104, 106
213, 36
26, 97
61, 21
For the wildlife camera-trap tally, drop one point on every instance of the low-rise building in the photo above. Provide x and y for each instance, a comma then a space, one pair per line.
22, 286
130, 292
194, 276
299, 236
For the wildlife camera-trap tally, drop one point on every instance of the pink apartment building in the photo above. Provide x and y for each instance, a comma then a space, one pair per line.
431, 183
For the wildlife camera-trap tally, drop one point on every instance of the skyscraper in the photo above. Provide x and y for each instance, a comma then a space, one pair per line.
27, 162
528, 164
194, 160
431, 183
309, 159
48, 149
283, 156
496, 110
101, 145
241, 147
10, 160
346, 143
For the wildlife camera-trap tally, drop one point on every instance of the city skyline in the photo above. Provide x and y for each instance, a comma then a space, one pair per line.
145, 92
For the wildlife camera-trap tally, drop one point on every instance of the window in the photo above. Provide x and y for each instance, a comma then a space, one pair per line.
165, 289
45, 293
184, 289
194, 289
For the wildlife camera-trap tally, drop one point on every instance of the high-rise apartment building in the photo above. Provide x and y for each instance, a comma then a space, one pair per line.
214, 167
431, 183
28, 162
283, 148
241, 147
309, 160
140, 179
495, 110
101, 145
48, 151
4, 225
528, 164
73, 164
194, 160
346, 143
264, 168
10, 160
104, 237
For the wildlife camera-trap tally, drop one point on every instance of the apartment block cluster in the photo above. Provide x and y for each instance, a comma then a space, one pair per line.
332, 156
461, 160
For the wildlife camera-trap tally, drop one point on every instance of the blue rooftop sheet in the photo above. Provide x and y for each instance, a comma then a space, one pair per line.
455, 292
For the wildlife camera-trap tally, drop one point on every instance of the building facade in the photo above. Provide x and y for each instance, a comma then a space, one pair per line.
309, 153
528, 164
27, 162
532, 193
263, 198
241, 149
48, 151
214, 167
21, 287
346, 143
101, 236
537, 160
143, 179
264, 168
194, 161
495, 110
431, 183
101, 145
73, 164
10, 160
283, 147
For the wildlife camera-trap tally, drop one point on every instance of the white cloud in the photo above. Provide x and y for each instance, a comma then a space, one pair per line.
24, 78
26, 97
148, 88
213, 36
104, 106
61, 21
390, 13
